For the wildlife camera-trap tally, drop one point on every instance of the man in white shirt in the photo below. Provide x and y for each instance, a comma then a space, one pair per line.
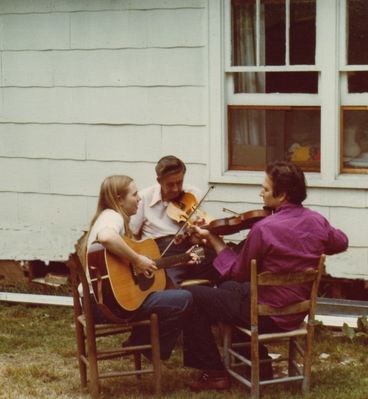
152, 220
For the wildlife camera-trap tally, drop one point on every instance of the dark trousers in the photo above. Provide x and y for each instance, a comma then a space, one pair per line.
172, 307
204, 270
229, 303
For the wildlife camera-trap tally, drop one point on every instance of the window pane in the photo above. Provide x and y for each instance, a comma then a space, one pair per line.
274, 31
271, 39
355, 139
357, 32
271, 33
243, 33
358, 82
259, 136
276, 82
302, 32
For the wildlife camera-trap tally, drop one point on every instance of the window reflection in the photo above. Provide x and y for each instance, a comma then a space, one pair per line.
355, 139
302, 32
261, 135
357, 32
358, 82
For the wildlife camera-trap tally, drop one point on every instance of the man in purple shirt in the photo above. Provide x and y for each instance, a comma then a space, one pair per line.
291, 239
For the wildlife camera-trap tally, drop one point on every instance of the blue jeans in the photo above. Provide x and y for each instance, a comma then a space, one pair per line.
173, 308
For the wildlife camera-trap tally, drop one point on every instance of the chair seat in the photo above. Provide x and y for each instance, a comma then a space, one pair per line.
112, 328
277, 335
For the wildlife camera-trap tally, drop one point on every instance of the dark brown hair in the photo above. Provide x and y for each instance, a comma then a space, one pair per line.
287, 178
169, 165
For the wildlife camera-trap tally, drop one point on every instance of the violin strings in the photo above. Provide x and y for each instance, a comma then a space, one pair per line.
187, 220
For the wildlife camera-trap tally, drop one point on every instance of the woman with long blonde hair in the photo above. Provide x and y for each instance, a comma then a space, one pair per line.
118, 200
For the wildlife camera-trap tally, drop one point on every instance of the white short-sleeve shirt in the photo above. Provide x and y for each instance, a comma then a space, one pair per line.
107, 218
151, 219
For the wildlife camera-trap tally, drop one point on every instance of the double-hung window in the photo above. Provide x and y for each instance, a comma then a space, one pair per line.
293, 86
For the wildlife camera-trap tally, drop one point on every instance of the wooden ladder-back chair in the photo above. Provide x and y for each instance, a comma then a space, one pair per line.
90, 339
234, 360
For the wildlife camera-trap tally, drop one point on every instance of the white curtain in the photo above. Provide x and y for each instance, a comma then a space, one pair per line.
248, 125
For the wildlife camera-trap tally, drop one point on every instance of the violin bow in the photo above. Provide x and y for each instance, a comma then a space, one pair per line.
230, 211
186, 222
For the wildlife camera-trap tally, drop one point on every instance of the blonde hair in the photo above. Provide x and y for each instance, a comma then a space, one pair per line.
112, 189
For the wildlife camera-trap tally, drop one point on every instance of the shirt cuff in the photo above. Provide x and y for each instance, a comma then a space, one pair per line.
225, 261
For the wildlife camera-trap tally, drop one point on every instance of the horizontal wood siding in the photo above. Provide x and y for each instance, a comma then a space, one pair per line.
104, 29
100, 68
89, 89
101, 142
47, 6
69, 177
107, 105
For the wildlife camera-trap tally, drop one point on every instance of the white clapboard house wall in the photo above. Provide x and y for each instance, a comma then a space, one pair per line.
93, 88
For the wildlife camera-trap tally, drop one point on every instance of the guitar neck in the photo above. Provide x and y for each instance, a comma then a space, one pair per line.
172, 261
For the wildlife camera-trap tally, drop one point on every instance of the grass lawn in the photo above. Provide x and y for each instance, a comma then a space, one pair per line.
37, 360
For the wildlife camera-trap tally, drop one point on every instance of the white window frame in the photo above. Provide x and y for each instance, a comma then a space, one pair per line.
328, 58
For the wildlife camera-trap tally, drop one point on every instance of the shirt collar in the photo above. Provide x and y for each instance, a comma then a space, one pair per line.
156, 197
288, 206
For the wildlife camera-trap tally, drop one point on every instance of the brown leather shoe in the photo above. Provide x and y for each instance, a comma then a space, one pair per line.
211, 379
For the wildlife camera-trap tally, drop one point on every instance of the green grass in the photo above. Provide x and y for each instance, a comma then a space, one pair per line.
37, 360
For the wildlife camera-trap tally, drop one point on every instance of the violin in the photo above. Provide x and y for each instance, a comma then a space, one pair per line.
182, 208
234, 224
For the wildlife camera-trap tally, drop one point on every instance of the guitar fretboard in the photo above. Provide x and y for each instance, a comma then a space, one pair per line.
172, 261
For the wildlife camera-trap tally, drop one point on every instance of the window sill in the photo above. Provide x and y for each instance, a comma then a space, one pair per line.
345, 181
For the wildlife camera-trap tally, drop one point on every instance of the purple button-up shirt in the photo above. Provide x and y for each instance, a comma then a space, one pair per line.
291, 239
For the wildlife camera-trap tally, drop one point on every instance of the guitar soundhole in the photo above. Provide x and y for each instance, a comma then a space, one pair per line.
144, 282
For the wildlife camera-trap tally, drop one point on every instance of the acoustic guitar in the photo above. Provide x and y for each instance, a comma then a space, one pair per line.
116, 283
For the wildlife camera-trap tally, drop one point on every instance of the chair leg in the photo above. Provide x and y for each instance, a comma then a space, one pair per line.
156, 357
307, 362
254, 390
138, 363
292, 357
307, 375
81, 341
94, 385
227, 337
79, 331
